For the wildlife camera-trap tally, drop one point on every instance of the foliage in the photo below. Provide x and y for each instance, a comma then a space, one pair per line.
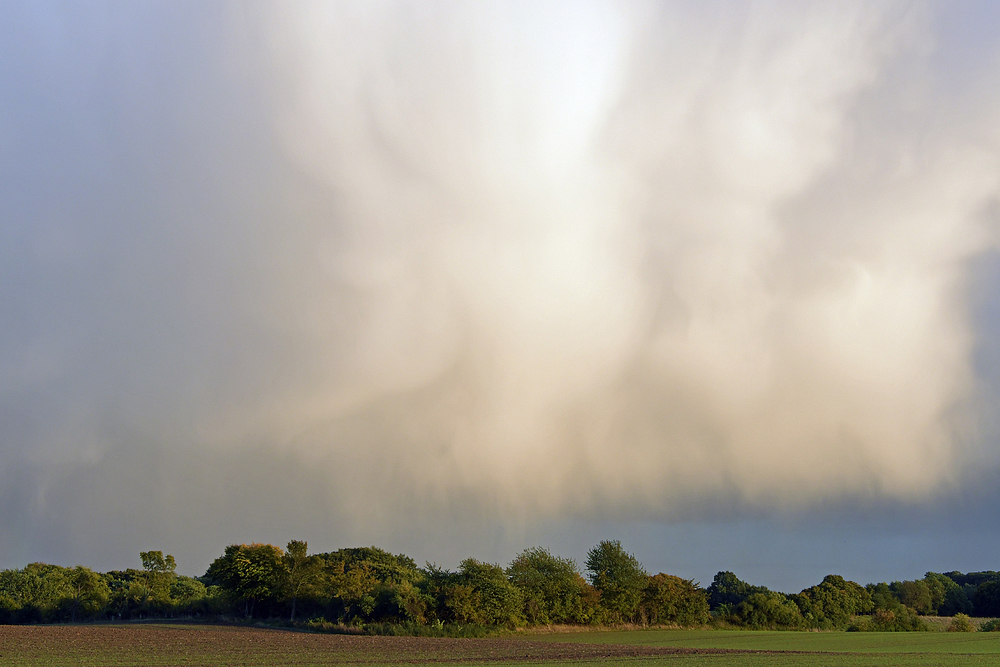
371, 590
947, 597
961, 623
379, 564
366, 584
485, 595
727, 591
301, 572
551, 587
992, 625
88, 593
914, 594
832, 603
671, 600
987, 598
250, 573
900, 619
769, 610
34, 593
619, 578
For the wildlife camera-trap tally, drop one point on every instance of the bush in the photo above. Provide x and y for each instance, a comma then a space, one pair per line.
961, 623
902, 619
833, 602
670, 599
992, 625
768, 611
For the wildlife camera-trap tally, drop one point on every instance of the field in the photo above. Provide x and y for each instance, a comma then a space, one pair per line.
136, 645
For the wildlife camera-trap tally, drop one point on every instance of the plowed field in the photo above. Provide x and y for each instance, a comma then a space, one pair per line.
159, 644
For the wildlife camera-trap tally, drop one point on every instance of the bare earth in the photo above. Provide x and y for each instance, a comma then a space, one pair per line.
142, 645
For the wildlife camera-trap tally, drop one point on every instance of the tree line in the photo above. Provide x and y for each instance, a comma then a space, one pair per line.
375, 589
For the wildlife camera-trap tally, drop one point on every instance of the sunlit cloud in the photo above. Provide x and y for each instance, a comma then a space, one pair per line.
434, 261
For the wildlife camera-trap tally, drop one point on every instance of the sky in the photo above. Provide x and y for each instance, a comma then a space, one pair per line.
718, 279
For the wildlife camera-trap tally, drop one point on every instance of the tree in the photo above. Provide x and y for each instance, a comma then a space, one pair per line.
552, 588
187, 592
619, 578
368, 583
670, 599
769, 610
249, 573
987, 599
727, 591
301, 570
947, 597
158, 577
833, 602
88, 591
380, 564
40, 589
351, 588
498, 601
913, 594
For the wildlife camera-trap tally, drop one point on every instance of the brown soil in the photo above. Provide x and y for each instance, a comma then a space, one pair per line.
141, 645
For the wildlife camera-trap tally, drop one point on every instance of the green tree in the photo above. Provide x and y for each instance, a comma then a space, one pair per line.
42, 587
727, 591
947, 597
187, 594
35, 593
368, 583
157, 577
832, 603
301, 571
497, 600
552, 588
914, 594
619, 578
381, 565
249, 573
987, 599
769, 610
351, 587
88, 592
671, 600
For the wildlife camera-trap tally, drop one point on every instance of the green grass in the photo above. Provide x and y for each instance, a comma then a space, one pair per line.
789, 660
848, 642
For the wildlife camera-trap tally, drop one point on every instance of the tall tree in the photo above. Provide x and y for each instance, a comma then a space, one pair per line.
552, 588
301, 570
87, 590
619, 578
158, 576
249, 573
729, 590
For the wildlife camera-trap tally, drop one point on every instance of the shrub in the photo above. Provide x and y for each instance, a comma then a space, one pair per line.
670, 599
961, 623
769, 610
992, 625
902, 619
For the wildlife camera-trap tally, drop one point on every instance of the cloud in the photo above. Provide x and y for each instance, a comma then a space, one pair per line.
733, 259
436, 262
